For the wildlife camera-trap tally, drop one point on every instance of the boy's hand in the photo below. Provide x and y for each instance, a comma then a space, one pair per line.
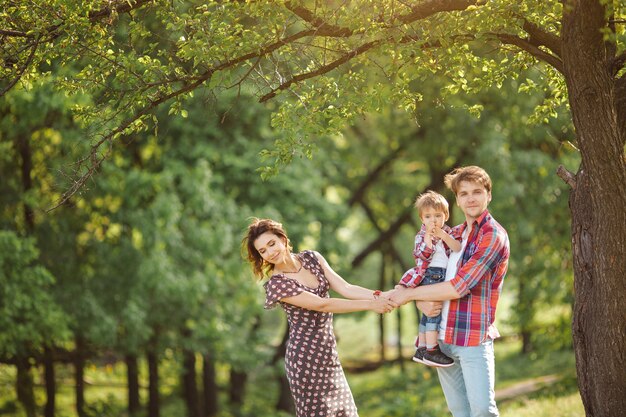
438, 232
428, 237
430, 308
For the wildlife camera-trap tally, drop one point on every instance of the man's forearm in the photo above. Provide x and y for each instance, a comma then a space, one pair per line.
434, 292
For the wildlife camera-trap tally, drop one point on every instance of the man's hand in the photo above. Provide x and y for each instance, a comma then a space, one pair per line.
400, 295
430, 308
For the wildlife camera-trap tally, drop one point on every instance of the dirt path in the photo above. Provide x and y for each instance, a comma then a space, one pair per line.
526, 387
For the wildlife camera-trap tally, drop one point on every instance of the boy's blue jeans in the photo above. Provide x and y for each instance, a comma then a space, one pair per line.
469, 383
431, 276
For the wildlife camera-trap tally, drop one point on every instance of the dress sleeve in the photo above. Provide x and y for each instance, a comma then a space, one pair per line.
279, 288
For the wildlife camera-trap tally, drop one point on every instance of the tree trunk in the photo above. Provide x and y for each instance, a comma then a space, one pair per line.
49, 375
237, 389
524, 311
381, 318
285, 399
24, 383
79, 373
209, 403
153, 388
132, 379
24, 387
597, 203
400, 359
527, 342
190, 385
23, 147
393, 278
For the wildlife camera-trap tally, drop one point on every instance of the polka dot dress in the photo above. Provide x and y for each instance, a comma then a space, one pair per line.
316, 379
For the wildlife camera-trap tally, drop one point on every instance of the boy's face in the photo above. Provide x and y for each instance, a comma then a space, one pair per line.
432, 217
473, 199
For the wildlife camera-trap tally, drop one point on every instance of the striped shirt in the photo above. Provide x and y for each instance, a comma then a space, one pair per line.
479, 277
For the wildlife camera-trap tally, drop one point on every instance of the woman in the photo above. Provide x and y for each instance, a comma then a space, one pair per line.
300, 283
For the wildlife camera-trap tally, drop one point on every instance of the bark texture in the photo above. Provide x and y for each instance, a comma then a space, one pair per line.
209, 386
598, 206
154, 402
132, 376
49, 375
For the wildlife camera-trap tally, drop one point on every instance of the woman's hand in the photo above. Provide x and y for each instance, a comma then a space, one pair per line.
430, 308
383, 305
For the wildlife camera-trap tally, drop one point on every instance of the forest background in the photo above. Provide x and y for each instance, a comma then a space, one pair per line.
128, 181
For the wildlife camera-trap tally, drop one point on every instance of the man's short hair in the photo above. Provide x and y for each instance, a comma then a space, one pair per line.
470, 173
431, 199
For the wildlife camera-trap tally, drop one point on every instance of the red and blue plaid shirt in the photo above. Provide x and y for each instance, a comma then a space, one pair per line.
423, 254
479, 277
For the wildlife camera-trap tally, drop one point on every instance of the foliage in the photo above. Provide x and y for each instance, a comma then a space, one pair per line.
29, 317
317, 52
146, 255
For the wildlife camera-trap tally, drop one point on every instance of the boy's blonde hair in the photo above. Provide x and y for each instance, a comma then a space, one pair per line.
470, 173
431, 199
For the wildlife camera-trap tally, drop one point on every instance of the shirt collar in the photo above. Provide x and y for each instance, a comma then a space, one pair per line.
479, 221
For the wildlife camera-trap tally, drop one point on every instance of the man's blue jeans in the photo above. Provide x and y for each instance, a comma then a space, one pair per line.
469, 384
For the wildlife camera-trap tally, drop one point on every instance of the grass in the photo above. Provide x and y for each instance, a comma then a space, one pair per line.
388, 391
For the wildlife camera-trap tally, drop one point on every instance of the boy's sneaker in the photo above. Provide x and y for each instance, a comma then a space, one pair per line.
436, 357
419, 354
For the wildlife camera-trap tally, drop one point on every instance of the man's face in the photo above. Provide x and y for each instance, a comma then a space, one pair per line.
473, 198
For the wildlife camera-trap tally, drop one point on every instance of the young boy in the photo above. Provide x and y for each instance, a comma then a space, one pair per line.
433, 244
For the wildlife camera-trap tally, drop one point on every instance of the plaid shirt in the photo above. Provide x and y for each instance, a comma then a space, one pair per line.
423, 254
479, 277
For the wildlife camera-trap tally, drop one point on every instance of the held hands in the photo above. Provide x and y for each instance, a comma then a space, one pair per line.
383, 304
399, 295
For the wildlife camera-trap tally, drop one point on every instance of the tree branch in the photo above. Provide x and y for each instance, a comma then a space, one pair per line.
539, 37
14, 33
567, 176
392, 249
357, 195
618, 63
52, 32
29, 60
527, 46
321, 27
123, 6
404, 217
321, 70
96, 161
428, 8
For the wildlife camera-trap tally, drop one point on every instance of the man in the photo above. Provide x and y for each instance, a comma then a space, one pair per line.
473, 284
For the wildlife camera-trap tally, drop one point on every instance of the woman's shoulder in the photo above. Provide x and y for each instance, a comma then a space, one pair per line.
313, 256
308, 252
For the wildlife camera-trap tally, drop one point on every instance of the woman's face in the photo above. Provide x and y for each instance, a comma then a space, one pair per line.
272, 248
